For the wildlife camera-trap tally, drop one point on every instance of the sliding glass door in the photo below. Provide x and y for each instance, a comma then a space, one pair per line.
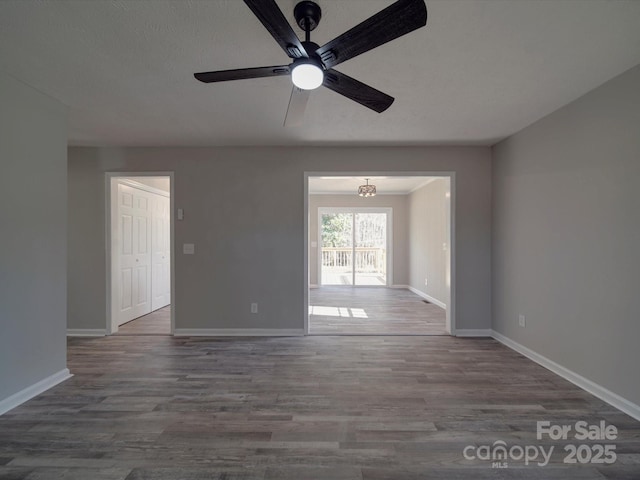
354, 247
370, 248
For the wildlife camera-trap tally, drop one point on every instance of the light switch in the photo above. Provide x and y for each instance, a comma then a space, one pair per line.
188, 248
180, 214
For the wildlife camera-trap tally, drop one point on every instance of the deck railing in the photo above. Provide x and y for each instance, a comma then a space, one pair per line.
368, 259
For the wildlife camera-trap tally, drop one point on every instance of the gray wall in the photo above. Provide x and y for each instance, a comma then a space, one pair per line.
427, 214
33, 223
400, 246
566, 235
244, 210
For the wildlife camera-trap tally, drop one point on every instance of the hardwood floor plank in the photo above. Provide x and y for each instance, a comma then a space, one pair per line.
311, 472
52, 473
15, 473
202, 473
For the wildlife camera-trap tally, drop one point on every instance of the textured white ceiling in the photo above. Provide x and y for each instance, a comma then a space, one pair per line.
480, 71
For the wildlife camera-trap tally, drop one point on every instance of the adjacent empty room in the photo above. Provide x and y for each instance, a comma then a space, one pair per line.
379, 254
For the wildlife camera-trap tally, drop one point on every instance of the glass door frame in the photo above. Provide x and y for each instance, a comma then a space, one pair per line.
355, 210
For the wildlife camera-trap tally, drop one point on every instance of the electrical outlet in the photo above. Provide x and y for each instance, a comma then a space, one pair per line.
426, 282
254, 308
521, 321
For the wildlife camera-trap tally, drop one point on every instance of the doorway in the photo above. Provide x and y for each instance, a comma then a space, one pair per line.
354, 246
398, 279
140, 260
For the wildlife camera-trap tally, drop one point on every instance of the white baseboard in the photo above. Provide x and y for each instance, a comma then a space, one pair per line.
36, 389
86, 332
474, 332
314, 285
435, 301
405, 287
593, 388
239, 332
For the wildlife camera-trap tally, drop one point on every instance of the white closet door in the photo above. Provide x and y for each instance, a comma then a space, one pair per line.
134, 248
161, 252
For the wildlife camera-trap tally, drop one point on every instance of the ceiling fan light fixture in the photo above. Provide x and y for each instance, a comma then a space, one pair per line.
307, 75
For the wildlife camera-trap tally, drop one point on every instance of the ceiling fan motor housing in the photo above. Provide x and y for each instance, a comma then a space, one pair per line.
311, 48
307, 15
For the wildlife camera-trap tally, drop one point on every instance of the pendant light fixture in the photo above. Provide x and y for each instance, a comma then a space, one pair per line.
367, 190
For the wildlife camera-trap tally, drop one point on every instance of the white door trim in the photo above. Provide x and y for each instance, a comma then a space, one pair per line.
109, 182
451, 310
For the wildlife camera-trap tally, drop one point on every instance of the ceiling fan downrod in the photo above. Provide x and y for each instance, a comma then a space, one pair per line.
307, 15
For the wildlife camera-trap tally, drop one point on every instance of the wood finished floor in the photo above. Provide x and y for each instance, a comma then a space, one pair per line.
302, 408
345, 310
154, 323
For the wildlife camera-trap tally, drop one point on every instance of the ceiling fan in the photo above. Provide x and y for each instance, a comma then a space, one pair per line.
312, 65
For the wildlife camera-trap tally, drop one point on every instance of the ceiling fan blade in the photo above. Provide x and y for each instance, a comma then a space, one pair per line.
242, 73
297, 106
357, 91
398, 19
275, 22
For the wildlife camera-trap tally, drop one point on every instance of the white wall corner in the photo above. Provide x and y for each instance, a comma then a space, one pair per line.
429, 298
28, 393
593, 388
474, 332
86, 332
239, 332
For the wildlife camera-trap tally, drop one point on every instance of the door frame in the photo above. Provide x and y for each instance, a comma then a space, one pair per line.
111, 181
355, 210
451, 307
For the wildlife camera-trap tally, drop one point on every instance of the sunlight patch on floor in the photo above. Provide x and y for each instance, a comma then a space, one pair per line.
337, 311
